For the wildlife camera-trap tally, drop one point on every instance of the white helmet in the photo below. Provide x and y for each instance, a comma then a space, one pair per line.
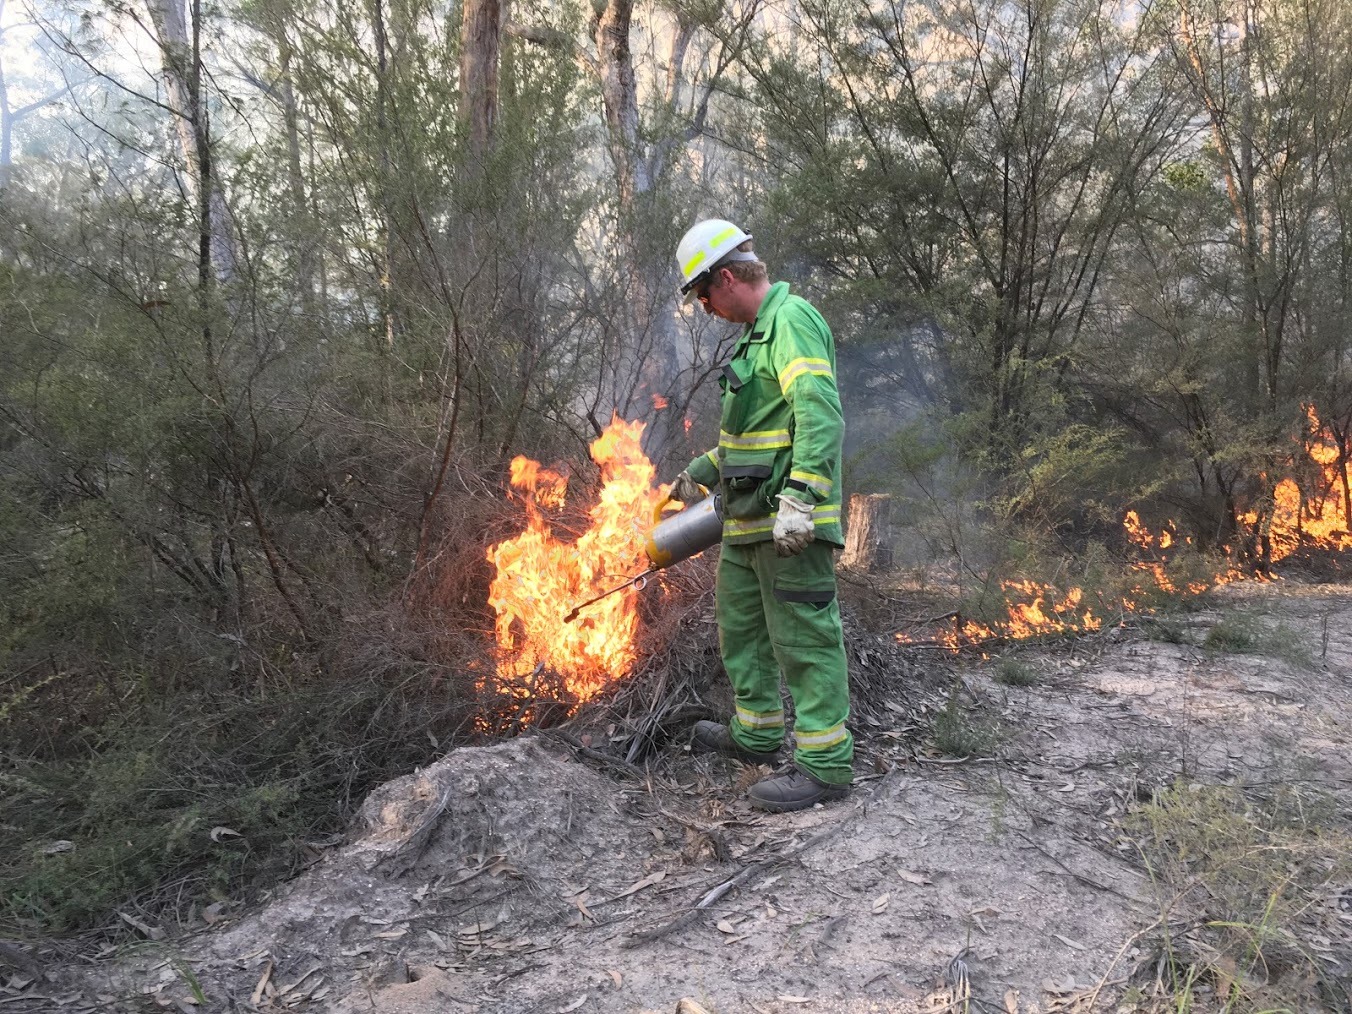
703, 247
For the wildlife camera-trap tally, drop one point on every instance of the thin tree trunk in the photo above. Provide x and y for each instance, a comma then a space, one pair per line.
480, 58
181, 62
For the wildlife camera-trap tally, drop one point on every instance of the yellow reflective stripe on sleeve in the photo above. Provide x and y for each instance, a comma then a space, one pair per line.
761, 440
798, 367
712, 456
820, 740
693, 263
825, 515
813, 481
760, 719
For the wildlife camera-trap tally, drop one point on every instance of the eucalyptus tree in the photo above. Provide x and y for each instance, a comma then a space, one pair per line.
964, 168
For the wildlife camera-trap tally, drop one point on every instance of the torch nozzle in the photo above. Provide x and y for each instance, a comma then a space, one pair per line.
638, 581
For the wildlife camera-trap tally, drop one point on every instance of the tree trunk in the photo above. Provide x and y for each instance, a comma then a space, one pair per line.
180, 61
868, 533
480, 58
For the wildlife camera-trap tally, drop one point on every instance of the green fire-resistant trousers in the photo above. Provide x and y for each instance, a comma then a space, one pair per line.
780, 615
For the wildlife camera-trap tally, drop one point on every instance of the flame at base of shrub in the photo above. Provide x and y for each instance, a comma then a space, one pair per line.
538, 577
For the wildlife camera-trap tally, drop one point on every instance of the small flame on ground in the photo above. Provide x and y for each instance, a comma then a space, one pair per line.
538, 577
659, 403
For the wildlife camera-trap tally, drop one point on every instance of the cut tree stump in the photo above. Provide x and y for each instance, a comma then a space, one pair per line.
868, 533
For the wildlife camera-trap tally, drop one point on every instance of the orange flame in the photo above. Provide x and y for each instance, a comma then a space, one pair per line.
1317, 516
1034, 610
538, 577
659, 403
1318, 519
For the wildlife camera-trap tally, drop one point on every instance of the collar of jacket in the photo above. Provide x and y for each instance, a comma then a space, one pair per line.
765, 317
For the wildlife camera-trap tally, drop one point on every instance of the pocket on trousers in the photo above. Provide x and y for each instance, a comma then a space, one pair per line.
805, 592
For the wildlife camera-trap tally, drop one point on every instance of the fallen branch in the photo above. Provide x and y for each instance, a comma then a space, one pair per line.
1087, 881
596, 755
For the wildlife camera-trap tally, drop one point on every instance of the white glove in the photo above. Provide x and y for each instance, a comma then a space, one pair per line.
687, 490
793, 526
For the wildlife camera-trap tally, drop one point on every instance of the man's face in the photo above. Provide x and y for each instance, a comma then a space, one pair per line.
711, 293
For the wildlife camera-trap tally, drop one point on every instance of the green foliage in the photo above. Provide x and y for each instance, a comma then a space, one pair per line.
1014, 672
1240, 633
958, 733
1187, 175
1250, 862
139, 792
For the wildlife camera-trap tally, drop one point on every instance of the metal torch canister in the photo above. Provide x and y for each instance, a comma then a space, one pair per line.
680, 536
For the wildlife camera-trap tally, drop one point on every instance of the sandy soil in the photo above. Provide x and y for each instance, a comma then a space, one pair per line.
534, 876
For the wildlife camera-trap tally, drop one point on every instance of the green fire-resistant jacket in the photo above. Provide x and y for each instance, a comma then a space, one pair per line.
782, 428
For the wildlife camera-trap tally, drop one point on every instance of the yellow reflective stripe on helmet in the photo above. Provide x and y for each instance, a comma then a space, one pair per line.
693, 263
725, 234
760, 719
813, 481
761, 440
798, 367
820, 740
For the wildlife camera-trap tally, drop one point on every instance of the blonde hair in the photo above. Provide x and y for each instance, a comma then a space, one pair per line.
749, 272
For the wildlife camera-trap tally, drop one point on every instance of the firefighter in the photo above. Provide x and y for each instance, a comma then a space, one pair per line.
778, 466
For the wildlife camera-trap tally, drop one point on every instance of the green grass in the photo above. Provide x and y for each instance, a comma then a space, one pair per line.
138, 790
1013, 672
1245, 634
960, 734
1235, 874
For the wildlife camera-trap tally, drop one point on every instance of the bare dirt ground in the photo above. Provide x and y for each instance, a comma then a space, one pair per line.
544, 875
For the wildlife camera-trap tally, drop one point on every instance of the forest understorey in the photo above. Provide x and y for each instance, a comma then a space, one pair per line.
1155, 817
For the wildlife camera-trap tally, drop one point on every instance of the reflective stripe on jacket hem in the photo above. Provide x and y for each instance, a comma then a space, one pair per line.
763, 440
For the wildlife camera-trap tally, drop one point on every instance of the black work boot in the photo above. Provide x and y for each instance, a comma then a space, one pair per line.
711, 737
796, 790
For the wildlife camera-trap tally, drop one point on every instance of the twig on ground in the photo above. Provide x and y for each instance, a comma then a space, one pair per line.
718, 890
596, 755
1088, 881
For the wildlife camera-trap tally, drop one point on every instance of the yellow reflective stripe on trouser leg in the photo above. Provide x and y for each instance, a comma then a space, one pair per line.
760, 719
820, 740
798, 367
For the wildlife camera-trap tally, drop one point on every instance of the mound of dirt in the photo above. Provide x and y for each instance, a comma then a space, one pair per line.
547, 875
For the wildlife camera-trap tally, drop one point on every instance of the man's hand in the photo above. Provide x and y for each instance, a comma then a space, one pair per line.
687, 490
793, 526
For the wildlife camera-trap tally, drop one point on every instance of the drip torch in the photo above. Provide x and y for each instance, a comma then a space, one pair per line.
671, 540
